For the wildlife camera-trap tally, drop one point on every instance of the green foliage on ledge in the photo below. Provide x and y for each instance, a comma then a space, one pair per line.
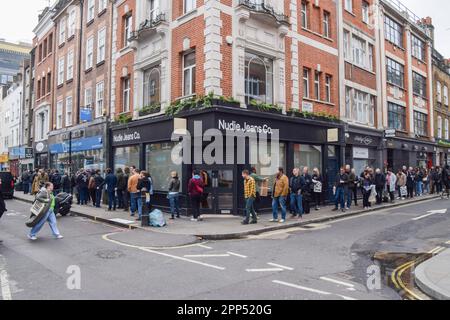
264, 107
200, 102
124, 118
314, 116
151, 109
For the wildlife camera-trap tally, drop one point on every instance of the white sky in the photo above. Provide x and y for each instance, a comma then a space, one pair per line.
19, 17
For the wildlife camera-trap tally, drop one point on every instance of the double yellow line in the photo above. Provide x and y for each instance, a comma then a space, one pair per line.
396, 275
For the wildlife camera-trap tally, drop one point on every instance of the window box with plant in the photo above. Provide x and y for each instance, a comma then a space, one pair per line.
124, 118
264, 107
312, 116
151, 109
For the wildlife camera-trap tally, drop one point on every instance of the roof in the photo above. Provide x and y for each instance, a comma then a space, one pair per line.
15, 48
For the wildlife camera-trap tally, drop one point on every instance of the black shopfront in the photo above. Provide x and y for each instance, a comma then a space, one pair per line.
148, 144
364, 147
409, 152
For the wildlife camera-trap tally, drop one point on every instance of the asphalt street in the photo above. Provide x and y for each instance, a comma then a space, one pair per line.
327, 261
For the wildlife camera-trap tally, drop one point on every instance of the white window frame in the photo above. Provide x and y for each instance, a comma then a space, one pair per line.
126, 91
89, 53
101, 45
446, 129
128, 23
88, 98
191, 69
62, 31
439, 127
90, 10
69, 111
326, 24
61, 63
446, 96
365, 12
102, 4
59, 114
99, 99
348, 5
70, 61
328, 88
438, 92
306, 90
317, 85
304, 14
189, 5
72, 22
347, 45
153, 9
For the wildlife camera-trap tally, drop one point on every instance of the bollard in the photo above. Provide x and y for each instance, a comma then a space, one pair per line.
145, 213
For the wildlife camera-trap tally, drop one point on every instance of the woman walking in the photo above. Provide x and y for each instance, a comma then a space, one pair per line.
195, 190
174, 195
46, 196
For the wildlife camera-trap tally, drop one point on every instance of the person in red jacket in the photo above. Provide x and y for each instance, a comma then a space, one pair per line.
195, 190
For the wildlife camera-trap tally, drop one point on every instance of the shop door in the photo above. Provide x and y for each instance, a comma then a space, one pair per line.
218, 197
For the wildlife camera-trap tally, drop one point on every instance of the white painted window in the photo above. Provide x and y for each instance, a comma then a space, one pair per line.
62, 31
128, 21
69, 111
152, 86
189, 5
317, 85
359, 51
326, 24
438, 92
153, 9
126, 94
90, 10
258, 78
59, 114
348, 5
70, 59
439, 127
72, 22
370, 62
347, 49
102, 5
189, 68
365, 12
446, 129
305, 83
360, 106
446, 95
88, 98
99, 96
328, 88
304, 15
89, 53
101, 45
60, 71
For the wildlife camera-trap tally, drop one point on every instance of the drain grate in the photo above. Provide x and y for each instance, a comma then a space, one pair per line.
110, 254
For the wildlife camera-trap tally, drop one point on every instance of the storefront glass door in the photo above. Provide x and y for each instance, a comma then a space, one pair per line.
219, 188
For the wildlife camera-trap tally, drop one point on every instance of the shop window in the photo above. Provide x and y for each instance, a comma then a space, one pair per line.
263, 166
308, 156
126, 157
159, 163
152, 86
258, 78
396, 117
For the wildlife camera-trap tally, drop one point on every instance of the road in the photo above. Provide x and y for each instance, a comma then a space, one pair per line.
329, 261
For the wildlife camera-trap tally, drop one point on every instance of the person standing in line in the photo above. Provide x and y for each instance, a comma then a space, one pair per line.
33, 175
426, 181
111, 188
195, 191
410, 182
296, 183
82, 185
419, 182
65, 182
280, 192
340, 189
380, 184
391, 182
121, 188
26, 178
174, 195
46, 196
306, 190
39, 181
354, 187
446, 181
135, 196
126, 194
366, 185
145, 188
351, 184
56, 180
99, 183
91, 189
401, 184
317, 187
258, 180
249, 196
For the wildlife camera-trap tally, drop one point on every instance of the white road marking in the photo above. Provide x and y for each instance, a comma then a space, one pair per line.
206, 255
4, 282
280, 266
105, 237
204, 247
265, 270
430, 213
296, 286
435, 249
337, 282
237, 255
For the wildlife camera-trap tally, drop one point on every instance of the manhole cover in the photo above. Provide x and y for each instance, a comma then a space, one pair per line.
110, 254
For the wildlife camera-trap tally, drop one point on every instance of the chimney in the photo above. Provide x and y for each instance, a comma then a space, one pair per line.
427, 24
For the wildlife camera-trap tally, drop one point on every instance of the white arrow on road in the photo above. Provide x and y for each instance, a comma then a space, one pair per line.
430, 213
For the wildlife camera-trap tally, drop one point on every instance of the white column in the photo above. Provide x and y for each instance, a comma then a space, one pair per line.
430, 85
410, 83
295, 87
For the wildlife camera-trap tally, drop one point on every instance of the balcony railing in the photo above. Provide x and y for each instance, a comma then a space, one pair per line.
262, 7
407, 14
148, 24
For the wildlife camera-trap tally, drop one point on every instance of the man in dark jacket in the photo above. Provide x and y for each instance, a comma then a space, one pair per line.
82, 181
195, 191
55, 178
410, 182
307, 190
99, 183
111, 187
351, 183
446, 181
296, 184
380, 182
340, 189
122, 183
66, 183
26, 182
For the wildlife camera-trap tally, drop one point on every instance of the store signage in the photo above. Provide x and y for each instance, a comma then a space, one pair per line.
79, 145
85, 115
307, 106
333, 135
4, 158
245, 127
365, 140
360, 153
127, 137
390, 133
40, 147
28, 153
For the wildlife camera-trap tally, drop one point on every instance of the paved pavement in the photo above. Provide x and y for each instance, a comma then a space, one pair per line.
433, 276
222, 227
332, 260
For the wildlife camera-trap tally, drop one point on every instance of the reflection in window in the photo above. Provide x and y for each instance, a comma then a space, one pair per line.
159, 163
263, 165
258, 79
308, 156
126, 157
152, 86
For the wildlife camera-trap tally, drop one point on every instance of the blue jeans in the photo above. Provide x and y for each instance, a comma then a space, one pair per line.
98, 197
250, 210
348, 197
51, 219
297, 203
136, 204
340, 198
276, 202
174, 200
112, 202
419, 186
83, 195
26, 188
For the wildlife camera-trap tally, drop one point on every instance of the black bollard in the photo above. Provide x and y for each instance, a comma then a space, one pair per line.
145, 212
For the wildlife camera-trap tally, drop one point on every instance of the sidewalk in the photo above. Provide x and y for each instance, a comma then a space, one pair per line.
218, 227
433, 276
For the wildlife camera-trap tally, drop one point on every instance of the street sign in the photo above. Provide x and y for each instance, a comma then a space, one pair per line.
390, 133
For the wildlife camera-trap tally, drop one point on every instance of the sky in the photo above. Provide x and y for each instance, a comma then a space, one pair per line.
20, 17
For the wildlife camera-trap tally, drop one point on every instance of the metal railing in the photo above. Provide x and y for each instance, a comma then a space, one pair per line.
406, 13
262, 7
150, 23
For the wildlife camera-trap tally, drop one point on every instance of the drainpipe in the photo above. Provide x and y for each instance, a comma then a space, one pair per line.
80, 52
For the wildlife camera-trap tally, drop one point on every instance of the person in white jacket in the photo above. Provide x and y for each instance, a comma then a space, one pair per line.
391, 182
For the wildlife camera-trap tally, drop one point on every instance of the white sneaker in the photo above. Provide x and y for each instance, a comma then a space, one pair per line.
273, 220
282, 221
59, 237
32, 238
194, 220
